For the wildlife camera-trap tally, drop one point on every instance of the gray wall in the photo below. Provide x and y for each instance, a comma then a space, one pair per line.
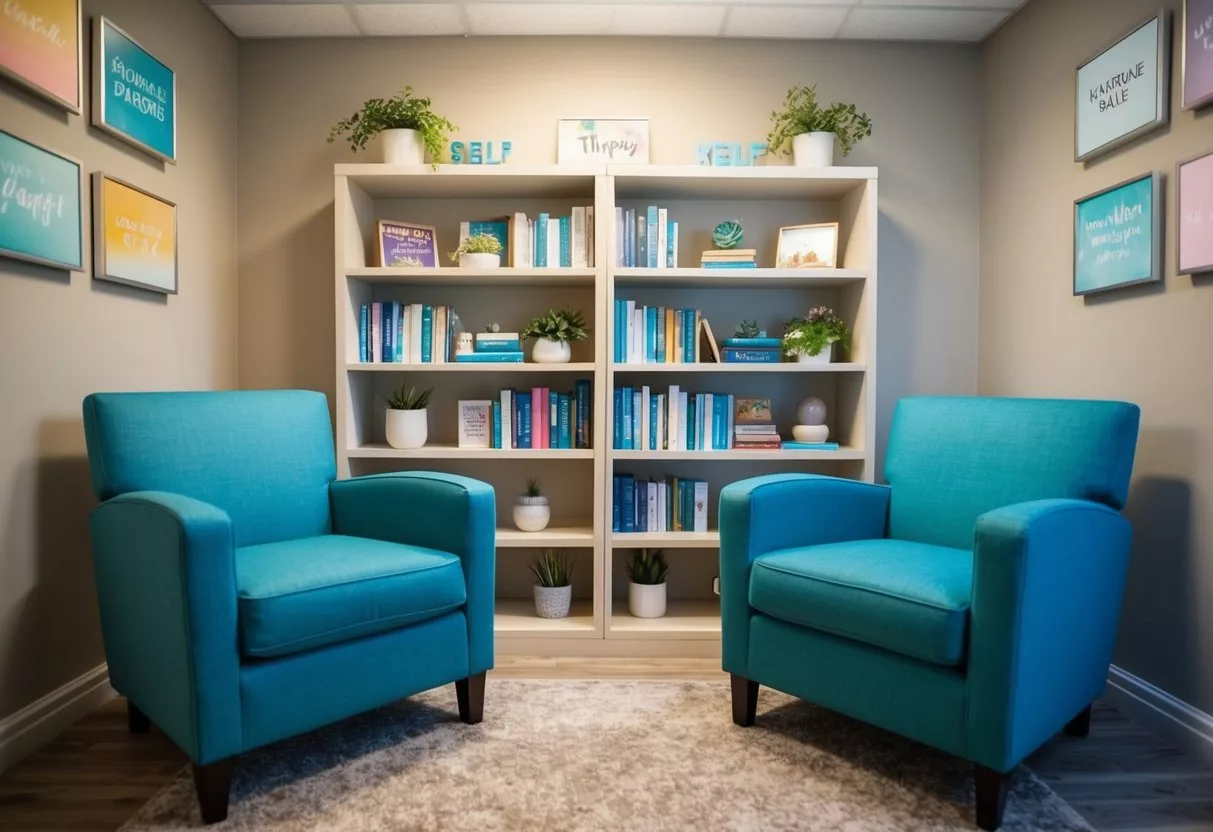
63, 336
1152, 346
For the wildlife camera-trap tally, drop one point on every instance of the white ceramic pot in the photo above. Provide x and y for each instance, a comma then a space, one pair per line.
823, 357
810, 433
479, 261
646, 600
532, 514
406, 429
553, 601
402, 147
813, 150
551, 352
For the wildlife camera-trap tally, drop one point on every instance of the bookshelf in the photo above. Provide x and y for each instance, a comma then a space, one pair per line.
579, 482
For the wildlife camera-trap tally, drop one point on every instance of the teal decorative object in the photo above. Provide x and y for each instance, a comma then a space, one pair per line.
727, 235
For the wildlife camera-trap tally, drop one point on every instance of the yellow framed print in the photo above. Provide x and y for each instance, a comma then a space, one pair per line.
42, 49
134, 236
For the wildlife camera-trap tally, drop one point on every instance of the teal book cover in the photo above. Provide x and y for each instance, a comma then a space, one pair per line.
566, 242
497, 228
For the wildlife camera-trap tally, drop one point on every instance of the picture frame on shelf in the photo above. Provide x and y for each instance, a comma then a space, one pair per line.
134, 236
406, 244
1196, 62
617, 141
812, 246
134, 93
1194, 214
1118, 238
46, 59
50, 233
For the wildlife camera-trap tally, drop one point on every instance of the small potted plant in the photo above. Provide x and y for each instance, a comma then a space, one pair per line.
553, 332
553, 570
532, 512
407, 421
479, 251
811, 129
647, 570
410, 128
811, 339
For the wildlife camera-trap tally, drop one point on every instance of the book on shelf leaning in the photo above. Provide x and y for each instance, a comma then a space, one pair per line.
673, 504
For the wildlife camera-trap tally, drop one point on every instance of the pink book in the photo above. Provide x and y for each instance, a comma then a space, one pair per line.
546, 429
536, 419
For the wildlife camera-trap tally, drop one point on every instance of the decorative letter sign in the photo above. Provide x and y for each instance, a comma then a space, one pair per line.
39, 205
729, 154
617, 141
134, 95
1118, 236
134, 236
479, 153
40, 48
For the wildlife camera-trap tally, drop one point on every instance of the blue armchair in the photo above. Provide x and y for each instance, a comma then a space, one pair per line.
970, 604
247, 596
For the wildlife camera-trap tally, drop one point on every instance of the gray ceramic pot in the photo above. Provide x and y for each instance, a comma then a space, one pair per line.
553, 601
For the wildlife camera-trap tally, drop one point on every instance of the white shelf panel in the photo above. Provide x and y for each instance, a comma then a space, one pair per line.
747, 369
471, 181
683, 619
665, 540
384, 451
757, 182
526, 367
719, 456
740, 278
580, 536
487, 278
516, 617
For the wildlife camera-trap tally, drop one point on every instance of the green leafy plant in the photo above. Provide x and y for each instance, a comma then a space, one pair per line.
532, 489
813, 333
402, 111
748, 329
647, 566
477, 244
554, 567
802, 114
558, 325
409, 398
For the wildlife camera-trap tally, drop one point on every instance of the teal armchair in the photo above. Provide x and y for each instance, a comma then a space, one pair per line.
246, 595
970, 604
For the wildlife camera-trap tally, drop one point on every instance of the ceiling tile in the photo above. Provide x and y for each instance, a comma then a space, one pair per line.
286, 21
920, 24
784, 22
384, 19
667, 21
1009, 5
539, 19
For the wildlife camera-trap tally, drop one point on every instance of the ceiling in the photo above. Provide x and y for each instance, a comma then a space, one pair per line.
926, 20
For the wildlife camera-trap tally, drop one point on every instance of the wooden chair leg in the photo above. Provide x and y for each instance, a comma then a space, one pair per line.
136, 720
212, 782
745, 700
991, 796
1080, 726
470, 693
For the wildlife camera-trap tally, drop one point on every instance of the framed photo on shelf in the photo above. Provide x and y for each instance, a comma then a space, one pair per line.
812, 246
1197, 60
1118, 236
404, 244
40, 205
619, 141
42, 49
134, 94
1194, 201
134, 236
1124, 91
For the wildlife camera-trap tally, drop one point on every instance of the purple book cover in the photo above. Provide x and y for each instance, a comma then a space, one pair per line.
1198, 53
405, 244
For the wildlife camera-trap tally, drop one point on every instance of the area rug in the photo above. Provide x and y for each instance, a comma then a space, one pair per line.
573, 756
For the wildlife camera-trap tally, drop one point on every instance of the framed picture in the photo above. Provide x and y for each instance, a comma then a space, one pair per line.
1194, 200
620, 141
134, 94
1118, 236
134, 236
403, 244
42, 49
1124, 91
40, 210
807, 246
1197, 59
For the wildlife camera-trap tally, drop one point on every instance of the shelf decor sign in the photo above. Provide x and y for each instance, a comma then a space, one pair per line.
40, 211
1118, 236
1198, 54
41, 47
619, 141
134, 95
134, 236
1194, 178
404, 244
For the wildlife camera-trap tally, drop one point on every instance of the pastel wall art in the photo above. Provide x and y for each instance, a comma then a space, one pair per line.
134, 94
41, 48
620, 141
1197, 54
1194, 179
40, 209
807, 246
1118, 236
405, 244
134, 236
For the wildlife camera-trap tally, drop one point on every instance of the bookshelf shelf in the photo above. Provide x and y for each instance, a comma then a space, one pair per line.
504, 276
382, 451
840, 455
745, 369
516, 617
665, 540
683, 619
672, 182
584, 368
579, 536
470, 181
739, 278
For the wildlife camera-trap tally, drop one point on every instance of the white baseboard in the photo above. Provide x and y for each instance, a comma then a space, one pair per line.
1188, 727
40, 722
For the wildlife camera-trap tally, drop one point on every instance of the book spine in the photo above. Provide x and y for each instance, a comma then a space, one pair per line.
496, 410
652, 242
627, 420
566, 242
541, 241
507, 428
537, 410
387, 346
364, 317
662, 235
490, 358
619, 236
700, 506
524, 421
585, 396
671, 252
630, 334
637, 417
617, 420
615, 499
553, 406
399, 313
654, 435
427, 334
706, 424
740, 356
650, 334
752, 343
579, 237
591, 238
376, 333
566, 431
498, 345
642, 240
628, 510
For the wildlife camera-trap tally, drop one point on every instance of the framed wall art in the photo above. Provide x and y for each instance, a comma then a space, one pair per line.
406, 244
134, 236
1194, 209
40, 210
1197, 61
620, 141
807, 246
134, 94
42, 49
1118, 235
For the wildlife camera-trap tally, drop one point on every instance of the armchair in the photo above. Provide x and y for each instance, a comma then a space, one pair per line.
970, 604
247, 596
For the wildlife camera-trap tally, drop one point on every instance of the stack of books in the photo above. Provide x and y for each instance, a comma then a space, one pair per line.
547, 241
493, 348
729, 258
538, 418
671, 421
406, 333
661, 335
674, 504
750, 351
753, 427
645, 239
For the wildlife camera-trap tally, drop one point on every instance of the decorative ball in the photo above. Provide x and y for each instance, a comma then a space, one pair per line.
812, 411
727, 235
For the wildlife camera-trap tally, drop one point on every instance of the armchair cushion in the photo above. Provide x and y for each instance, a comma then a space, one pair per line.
911, 598
301, 594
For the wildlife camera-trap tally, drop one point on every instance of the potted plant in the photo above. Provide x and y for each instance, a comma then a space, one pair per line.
409, 127
553, 570
811, 129
479, 251
407, 421
552, 333
647, 570
532, 513
811, 339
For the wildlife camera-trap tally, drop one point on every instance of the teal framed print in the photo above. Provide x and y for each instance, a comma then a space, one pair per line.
40, 211
134, 94
1124, 91
1118, 236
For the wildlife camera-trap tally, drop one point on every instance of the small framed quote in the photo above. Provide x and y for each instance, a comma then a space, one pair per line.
1118, 236
1197, 54
807, 246
620, 141
42, 48
1124, 91
405, 244
134, 236
134, 94
475, 430
1194, 184
40, 210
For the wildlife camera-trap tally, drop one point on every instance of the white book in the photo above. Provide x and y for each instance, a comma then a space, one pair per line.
636, 421
507, 429
520, 242
645, 428
553, 242
708, 438
406, 335
651, 508
620, 237
701, 506
415, 332
662, 219
674, 244
638, 335
729, 414
475, 427
591, 236
662, 506
578, 241
682, 421
672, 419
629, 353
437, 353
465, 231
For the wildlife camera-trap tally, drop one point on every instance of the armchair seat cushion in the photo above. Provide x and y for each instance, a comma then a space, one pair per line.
301, 594
910, 598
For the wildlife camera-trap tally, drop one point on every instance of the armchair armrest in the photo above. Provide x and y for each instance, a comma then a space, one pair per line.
166, 583
438, 511
1048, 578
779, 511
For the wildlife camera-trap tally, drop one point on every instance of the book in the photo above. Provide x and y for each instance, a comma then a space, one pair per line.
705, 331
555, 246
620, 238
475, 429
499, 228
591, 239
809, 446
519, 242
376, 355
502, 357
760, 343
727, 265
663, 238
541, 241
580, 237
748, 411
729, 254
745, 356
671, 252
496, 414
427, 334
507, 422
497, 342
523, 409
565, 226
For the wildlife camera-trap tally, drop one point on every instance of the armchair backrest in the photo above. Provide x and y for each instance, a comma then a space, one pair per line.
952, 459
264, 457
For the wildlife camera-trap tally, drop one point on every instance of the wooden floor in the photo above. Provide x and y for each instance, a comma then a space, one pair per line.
97, 775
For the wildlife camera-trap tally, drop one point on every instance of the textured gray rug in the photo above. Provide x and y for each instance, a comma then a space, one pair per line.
634, 756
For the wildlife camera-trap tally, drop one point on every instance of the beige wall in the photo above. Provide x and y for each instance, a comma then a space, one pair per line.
63, 336
1152, 346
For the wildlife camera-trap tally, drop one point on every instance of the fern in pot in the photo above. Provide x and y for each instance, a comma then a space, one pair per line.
532, 512
811, 339
407, 421
553, 332
812, 130
647, 570
479, 251
553, 571
409, 128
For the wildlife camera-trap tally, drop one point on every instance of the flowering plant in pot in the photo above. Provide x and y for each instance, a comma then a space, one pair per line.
811, 130
407, 421
553, 332
811, 339
410, 128
479, 251
647, 570
553, 570
532, 513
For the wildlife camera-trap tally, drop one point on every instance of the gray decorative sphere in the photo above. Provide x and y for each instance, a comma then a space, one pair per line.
812, 411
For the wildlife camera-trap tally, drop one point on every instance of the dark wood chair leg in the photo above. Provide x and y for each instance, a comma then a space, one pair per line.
1080, 725
136, 720
470, 693
991, 796
745, 700
212, 783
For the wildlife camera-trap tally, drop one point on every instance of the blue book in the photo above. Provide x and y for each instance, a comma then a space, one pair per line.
642, 505
692, 401
489, 358
614, 504
661, 335
651, 253
688, 336
498, 345
752, 343
652, 422
566, 242
364, 318
585, 434
553, 406
628, 511
627, 419
496, 408
617, 422
637, 415
717, 401
728, 265
565, 416
629, 237
810, 446
427, 334
736, 356
387, 331
671, 240
524, 420
540, 252
398, 311
497, 228
650, 334
642, 241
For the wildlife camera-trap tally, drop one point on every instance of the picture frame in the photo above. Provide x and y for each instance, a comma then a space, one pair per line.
812, 246
1118, 235
1194, 214
1196, 61
1123, 91
41, 217
617, 141
134, 92
406, 245
134, 236
48, 60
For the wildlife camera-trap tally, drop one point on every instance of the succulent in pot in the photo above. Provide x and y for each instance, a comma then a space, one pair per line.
406, 423
811, 339
479, 251
532, 513
553, 571
647, 570
553, 332
409, 128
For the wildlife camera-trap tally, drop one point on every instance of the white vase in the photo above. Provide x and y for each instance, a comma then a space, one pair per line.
546, 351
824, 357
646, 600
406, 429
553, 601
532, 514
813, 150
479, 261
402, 147
810, 433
